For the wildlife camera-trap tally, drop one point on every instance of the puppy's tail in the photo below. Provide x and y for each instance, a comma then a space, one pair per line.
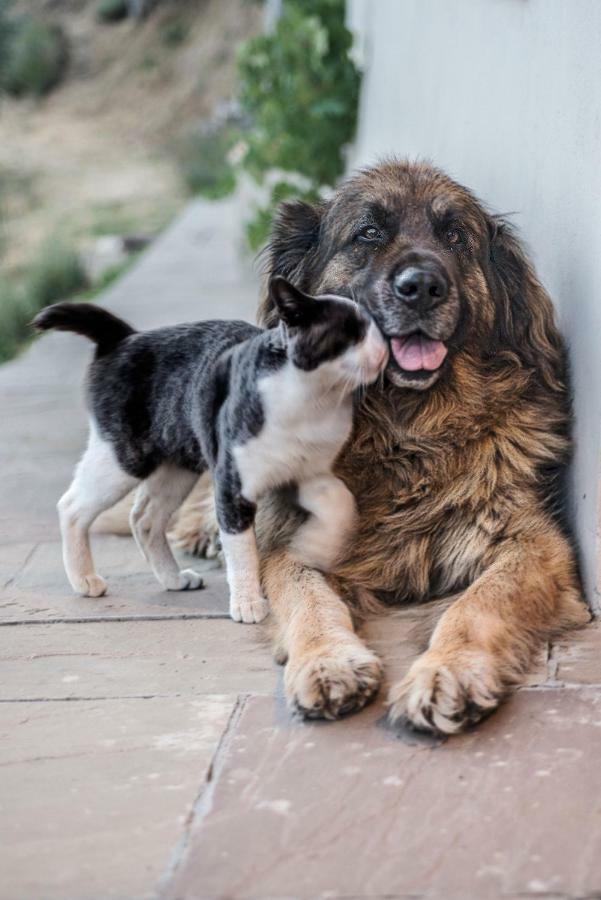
95, 323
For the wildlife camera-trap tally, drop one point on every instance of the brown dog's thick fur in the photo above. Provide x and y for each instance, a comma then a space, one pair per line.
457, 476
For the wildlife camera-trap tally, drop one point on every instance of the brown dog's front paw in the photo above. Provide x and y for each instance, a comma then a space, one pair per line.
444, 696
333, 684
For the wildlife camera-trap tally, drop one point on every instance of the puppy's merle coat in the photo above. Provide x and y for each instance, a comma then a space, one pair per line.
259, 408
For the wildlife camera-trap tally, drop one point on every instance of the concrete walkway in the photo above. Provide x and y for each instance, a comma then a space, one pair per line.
145, 748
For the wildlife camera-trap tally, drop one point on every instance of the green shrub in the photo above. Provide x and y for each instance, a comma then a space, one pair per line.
7, 28
298, 89
148, 62
301, 89
15, 315
203, 161
111, 10
56, 274
174, 33
36, 58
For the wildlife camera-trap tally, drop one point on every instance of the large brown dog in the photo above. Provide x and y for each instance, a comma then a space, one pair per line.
456, 461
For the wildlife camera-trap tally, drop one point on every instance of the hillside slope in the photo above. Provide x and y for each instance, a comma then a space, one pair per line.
96, 155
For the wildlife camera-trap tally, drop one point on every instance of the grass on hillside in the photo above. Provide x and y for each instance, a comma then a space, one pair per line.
204, 164
35, 55
56, 274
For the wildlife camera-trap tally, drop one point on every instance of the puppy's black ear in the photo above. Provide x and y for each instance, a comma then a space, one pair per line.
292, 248
293, 307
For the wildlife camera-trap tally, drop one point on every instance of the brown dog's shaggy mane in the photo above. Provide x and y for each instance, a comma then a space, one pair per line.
457, 459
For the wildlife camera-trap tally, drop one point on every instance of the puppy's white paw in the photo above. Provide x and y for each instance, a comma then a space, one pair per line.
94, 586
248, 610
187, 580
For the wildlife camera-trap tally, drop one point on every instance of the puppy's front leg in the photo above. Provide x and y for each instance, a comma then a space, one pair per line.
236, 518
247, 603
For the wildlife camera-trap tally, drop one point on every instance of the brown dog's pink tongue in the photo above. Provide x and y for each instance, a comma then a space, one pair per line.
418, 352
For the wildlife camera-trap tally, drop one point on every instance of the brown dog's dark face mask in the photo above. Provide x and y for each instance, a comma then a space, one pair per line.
440, 276
411, 250
408, 244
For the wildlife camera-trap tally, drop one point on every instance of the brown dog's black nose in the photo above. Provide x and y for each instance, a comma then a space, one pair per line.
420, 287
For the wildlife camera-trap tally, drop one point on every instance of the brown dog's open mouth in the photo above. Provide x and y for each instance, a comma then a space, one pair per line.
418, 353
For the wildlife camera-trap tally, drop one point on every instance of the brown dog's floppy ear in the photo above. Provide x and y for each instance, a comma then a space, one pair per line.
525, 315
291, 248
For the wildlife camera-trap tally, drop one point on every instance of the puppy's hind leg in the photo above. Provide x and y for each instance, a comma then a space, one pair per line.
98, 483
156, 500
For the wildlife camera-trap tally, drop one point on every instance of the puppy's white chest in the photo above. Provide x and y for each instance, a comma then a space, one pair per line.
301, 437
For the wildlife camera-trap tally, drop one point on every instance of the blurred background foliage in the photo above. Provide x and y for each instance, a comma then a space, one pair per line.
299, 88
298, 91
54, 274
113, 111
204, 160
33, 54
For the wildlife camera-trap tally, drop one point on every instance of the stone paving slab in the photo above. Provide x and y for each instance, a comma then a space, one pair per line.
338, 811
13, 558
44, 433
109, 785
576, 659
38, 588
115, 659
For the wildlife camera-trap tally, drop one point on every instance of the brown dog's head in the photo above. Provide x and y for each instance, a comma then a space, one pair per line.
439, 274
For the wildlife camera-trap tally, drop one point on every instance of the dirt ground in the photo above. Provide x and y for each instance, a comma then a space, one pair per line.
97, 155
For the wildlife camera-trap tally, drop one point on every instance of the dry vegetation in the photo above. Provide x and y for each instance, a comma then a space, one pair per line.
96, 155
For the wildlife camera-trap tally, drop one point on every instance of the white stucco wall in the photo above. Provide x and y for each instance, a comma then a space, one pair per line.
506, 96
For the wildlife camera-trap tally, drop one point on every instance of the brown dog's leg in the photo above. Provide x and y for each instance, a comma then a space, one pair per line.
329, 670
485, 641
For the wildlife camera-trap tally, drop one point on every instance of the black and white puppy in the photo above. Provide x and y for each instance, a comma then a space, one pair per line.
259, 408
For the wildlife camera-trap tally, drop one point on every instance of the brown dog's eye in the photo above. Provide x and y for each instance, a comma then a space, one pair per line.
456, 237
369, 234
